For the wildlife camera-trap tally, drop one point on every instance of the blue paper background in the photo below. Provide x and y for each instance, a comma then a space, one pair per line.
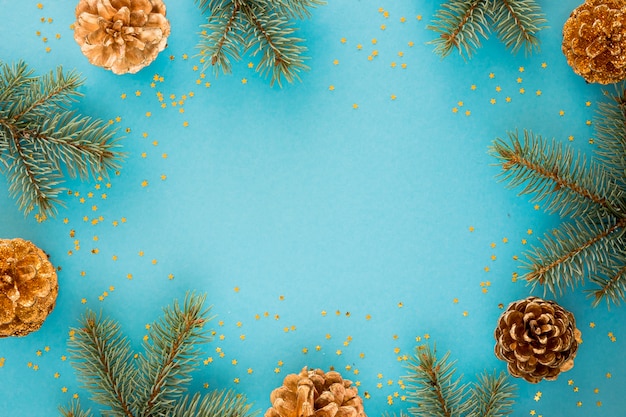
287, 203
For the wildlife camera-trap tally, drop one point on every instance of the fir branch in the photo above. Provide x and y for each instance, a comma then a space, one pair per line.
516, 23
12, 78
272, 36
610, 282
296, 9
491, 396
610, 135
40, 136
402, 414
54, 91
460, 25
33, 181
74, 410
260, 27
225, 403
212, 6
84, 146
575, 250
433, 386
103, 359
221, 37
558, 178
171, 354
156, 387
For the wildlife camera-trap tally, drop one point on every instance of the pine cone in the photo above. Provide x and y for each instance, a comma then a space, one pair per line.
28, 287
315, 393
594, 41
537, 338
121, 35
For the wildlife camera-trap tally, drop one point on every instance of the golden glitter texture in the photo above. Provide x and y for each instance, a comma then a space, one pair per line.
28, 287
594, 41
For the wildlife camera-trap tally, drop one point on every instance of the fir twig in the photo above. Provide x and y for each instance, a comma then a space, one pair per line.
272, 36
438, 393
591, 244
462, 23
516, 23
402, 414
222, 403
610, 282
573, 251
610, 135
103, 359
433, 385
155, 383
171, 354
74, 410
492, 396
40, 136
557, 177
260, 27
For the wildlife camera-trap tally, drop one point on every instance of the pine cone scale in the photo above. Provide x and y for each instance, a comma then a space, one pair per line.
122, 36
315, 394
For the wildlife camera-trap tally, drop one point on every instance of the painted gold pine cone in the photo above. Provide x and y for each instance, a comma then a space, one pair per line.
121, 35
594, 41
28, 287
537, 338
315, 393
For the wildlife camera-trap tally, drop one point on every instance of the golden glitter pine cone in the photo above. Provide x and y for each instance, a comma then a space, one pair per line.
121, 35
537, 338
28, 287
594, 41
315, 393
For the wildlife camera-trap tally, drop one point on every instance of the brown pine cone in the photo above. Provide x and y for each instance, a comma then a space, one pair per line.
537, 338
28, 287
121, 35
594, 41
315, 393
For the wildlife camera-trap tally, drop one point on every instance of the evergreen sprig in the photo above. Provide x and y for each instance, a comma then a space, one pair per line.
462, 24
259, 27
41, 137
591, 243
433, 386
155, 382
